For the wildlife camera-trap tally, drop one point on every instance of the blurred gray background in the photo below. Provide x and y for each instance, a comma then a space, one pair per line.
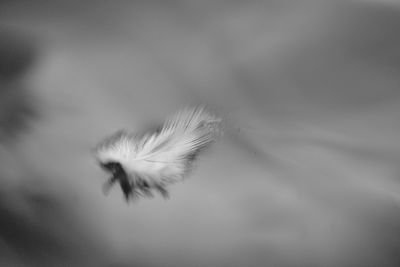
307, 173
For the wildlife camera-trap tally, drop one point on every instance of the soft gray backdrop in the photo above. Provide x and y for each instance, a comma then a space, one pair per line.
307, 173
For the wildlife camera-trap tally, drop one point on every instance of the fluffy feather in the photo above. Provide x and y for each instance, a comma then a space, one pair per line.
155, 159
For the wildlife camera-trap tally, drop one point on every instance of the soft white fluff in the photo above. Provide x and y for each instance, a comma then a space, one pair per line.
163, 156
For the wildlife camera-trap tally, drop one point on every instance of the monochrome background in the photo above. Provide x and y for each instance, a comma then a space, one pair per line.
307, 173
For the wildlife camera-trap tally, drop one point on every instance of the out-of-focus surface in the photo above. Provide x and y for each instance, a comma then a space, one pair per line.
306, 175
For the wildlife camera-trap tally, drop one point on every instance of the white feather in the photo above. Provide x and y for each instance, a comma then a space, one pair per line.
165, 156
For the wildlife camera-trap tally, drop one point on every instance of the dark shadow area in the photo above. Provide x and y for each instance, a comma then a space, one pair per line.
17, 56
40, 228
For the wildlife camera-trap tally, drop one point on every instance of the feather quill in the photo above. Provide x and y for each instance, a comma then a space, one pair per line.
153, 160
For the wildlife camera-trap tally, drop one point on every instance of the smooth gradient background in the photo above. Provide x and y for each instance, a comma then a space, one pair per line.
307, 173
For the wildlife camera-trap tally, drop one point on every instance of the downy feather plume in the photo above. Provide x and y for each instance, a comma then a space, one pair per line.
144, 163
